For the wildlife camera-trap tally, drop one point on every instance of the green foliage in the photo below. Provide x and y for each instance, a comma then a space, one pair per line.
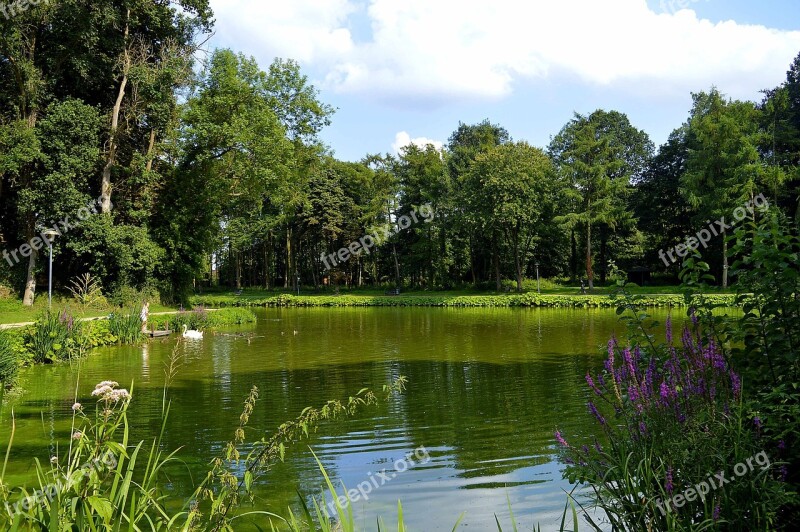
100, 482
511, 300
200, 318
126, 325
87, 291
672, 418
56, 336
8, 361
766, 338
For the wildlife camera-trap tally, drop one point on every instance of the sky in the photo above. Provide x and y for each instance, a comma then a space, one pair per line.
403, 71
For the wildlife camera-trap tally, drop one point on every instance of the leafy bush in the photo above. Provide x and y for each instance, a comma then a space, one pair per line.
56, 337
126, 296
6, 292
200, 318
126, 325
8, 360
672, 419
511, 300
97, 333
87, 291
766, 338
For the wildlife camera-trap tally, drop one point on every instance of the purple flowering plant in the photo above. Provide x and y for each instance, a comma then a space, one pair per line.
667, 415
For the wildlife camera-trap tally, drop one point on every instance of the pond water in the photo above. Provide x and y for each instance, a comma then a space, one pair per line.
486, 389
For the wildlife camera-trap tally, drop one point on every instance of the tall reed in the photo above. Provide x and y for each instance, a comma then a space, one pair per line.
126, 325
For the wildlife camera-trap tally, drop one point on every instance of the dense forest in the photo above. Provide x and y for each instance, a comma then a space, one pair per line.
164, 169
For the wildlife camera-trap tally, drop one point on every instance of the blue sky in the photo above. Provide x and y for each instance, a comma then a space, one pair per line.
409, 70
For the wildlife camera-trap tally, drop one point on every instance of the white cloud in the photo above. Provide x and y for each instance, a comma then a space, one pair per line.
438, 51
403, 139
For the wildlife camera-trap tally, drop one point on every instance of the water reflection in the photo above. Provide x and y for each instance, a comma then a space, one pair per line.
487, 387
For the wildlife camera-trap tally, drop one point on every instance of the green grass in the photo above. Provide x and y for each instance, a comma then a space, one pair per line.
13, 311
443, 300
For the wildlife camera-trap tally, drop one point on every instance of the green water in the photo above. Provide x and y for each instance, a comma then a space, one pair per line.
487, 388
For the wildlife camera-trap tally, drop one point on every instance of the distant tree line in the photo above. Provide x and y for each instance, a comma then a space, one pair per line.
220, 169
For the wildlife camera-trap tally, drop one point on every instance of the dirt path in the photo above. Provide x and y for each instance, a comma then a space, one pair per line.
26, 323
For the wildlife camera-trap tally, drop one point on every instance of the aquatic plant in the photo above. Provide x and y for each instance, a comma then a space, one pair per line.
56, 336
671, 417
126, 325
8, 360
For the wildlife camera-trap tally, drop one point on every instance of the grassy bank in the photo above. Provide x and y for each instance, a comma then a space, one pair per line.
56, 337
442, 300
13, 311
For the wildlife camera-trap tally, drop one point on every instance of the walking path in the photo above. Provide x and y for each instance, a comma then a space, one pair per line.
26, 323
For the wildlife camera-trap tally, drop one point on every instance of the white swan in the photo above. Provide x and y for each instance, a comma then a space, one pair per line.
192, 335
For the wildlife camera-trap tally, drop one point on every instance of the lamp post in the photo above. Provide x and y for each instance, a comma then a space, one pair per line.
298, 282
538, 286
51, 235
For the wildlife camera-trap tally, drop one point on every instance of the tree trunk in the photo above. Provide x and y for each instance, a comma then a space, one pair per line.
289, 258
724, 260
472, 263
603, 261
496, 261
396, 266
589, 272
573, 259
105, 186
30, 283
517, 264
150, 149
238, 270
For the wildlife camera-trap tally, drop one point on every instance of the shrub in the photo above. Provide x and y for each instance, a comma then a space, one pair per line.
87, 291
6, 292
8, 360
126, 325
201, 318
126, 296
672, 418
56, 337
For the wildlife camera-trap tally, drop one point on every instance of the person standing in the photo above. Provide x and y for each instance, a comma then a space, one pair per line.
145, 315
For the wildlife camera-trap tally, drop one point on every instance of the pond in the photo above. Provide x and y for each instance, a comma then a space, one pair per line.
486, 389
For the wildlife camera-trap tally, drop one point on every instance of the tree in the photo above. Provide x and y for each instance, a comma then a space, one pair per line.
464, 145
598, 156
423, 178
512, 190
233, 137
724, 167
662, 210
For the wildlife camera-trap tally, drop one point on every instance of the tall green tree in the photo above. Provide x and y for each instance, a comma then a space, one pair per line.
598, 156
463, 147
513, 190
662, 211
724, 168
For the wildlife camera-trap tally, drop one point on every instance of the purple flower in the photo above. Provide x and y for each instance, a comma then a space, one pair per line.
633, 394
736, 384
669, 330
609, 364
591, 384
598, 415
668, 484
642, 428
663, 391
560, 439
715, 516
781, 445
783, 473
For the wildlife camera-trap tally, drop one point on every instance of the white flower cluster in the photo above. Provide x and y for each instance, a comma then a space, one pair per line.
108, 391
